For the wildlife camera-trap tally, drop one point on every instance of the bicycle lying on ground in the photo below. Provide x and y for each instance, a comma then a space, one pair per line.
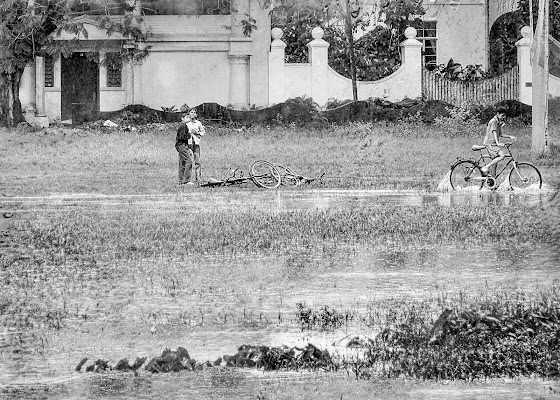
467, 174
263, 174
292, 178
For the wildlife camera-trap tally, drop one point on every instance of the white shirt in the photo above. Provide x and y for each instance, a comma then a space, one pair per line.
196, 129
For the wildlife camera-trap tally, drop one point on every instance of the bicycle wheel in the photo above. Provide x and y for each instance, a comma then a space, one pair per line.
289, 177
265, 175
466, 175
525, 176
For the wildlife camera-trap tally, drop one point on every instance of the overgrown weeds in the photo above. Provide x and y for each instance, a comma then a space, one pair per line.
473, 337
135, 234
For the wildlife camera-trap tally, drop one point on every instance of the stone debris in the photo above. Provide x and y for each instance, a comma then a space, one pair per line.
247, 356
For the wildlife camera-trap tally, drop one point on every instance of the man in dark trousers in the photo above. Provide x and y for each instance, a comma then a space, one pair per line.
183, 144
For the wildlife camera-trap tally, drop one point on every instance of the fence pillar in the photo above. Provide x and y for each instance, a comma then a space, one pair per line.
276, 74
412, 62
319, 59
524, 65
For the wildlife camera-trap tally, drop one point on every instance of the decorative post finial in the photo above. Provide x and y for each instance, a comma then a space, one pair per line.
276, 33
317, 33
410, 32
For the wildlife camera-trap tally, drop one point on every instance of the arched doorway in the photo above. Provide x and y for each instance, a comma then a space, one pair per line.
505, 31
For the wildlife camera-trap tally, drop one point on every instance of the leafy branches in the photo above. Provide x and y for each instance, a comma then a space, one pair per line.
377, 52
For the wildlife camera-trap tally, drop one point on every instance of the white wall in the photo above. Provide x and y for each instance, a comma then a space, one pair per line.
391, 88
461, 32
176, 78
298, 80
27, 87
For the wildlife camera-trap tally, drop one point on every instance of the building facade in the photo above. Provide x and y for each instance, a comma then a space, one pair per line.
209, 57
192, 59
457, 29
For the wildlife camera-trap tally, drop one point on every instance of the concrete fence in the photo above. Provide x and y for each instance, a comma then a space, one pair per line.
316, 79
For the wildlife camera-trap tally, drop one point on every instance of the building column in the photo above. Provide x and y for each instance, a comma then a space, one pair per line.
41, 118
238, 81
524, 64
412, 62
137, 96
40, 85
102, 70
276, 74
129, 82
27, 92
319, 59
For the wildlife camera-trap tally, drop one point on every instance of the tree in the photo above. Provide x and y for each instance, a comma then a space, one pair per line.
28, 29
506, 31
24, 29
377, 53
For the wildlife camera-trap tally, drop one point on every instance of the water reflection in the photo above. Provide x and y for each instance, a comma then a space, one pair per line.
241, 200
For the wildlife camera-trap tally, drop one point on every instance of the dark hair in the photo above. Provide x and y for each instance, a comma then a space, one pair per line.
501, 110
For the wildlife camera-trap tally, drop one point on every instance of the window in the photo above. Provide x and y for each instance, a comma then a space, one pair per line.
49, 71
113, 62
191, 7
427, 34
99, 7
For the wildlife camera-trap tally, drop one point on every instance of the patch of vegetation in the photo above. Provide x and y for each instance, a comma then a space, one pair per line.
324, 319
508, 335
123, 235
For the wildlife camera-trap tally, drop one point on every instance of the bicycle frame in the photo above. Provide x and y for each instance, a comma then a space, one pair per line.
510, 160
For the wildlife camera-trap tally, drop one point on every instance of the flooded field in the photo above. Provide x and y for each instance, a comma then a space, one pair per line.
138, 307
236, 200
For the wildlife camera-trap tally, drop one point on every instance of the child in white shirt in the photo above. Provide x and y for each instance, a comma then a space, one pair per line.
197, 130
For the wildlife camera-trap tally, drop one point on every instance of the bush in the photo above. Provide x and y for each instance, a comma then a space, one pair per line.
300, 110
515, 109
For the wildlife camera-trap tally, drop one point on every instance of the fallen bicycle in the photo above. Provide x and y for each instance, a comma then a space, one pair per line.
264, 175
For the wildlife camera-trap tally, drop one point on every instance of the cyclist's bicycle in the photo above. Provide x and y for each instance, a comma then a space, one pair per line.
467, 174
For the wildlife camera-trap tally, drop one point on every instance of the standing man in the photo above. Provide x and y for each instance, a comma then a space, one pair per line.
183, 145
197, 130
496, 148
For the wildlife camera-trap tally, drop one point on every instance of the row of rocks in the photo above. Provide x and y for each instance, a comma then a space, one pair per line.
247, 356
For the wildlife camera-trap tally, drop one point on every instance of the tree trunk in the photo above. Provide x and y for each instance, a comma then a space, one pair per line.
17, 112
4, 100
351, 50
10, 105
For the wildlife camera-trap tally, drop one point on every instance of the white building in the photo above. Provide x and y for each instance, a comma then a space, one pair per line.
192, 60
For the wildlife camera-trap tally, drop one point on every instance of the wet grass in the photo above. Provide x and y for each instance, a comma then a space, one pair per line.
176, 235
80, 281
77, 269
374, 156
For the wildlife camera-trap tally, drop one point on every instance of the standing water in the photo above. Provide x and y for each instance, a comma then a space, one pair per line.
145, 306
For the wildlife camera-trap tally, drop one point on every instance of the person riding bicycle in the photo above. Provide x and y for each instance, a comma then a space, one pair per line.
496, 148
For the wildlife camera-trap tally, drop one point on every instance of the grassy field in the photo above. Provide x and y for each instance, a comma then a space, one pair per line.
95, 282
359, 156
